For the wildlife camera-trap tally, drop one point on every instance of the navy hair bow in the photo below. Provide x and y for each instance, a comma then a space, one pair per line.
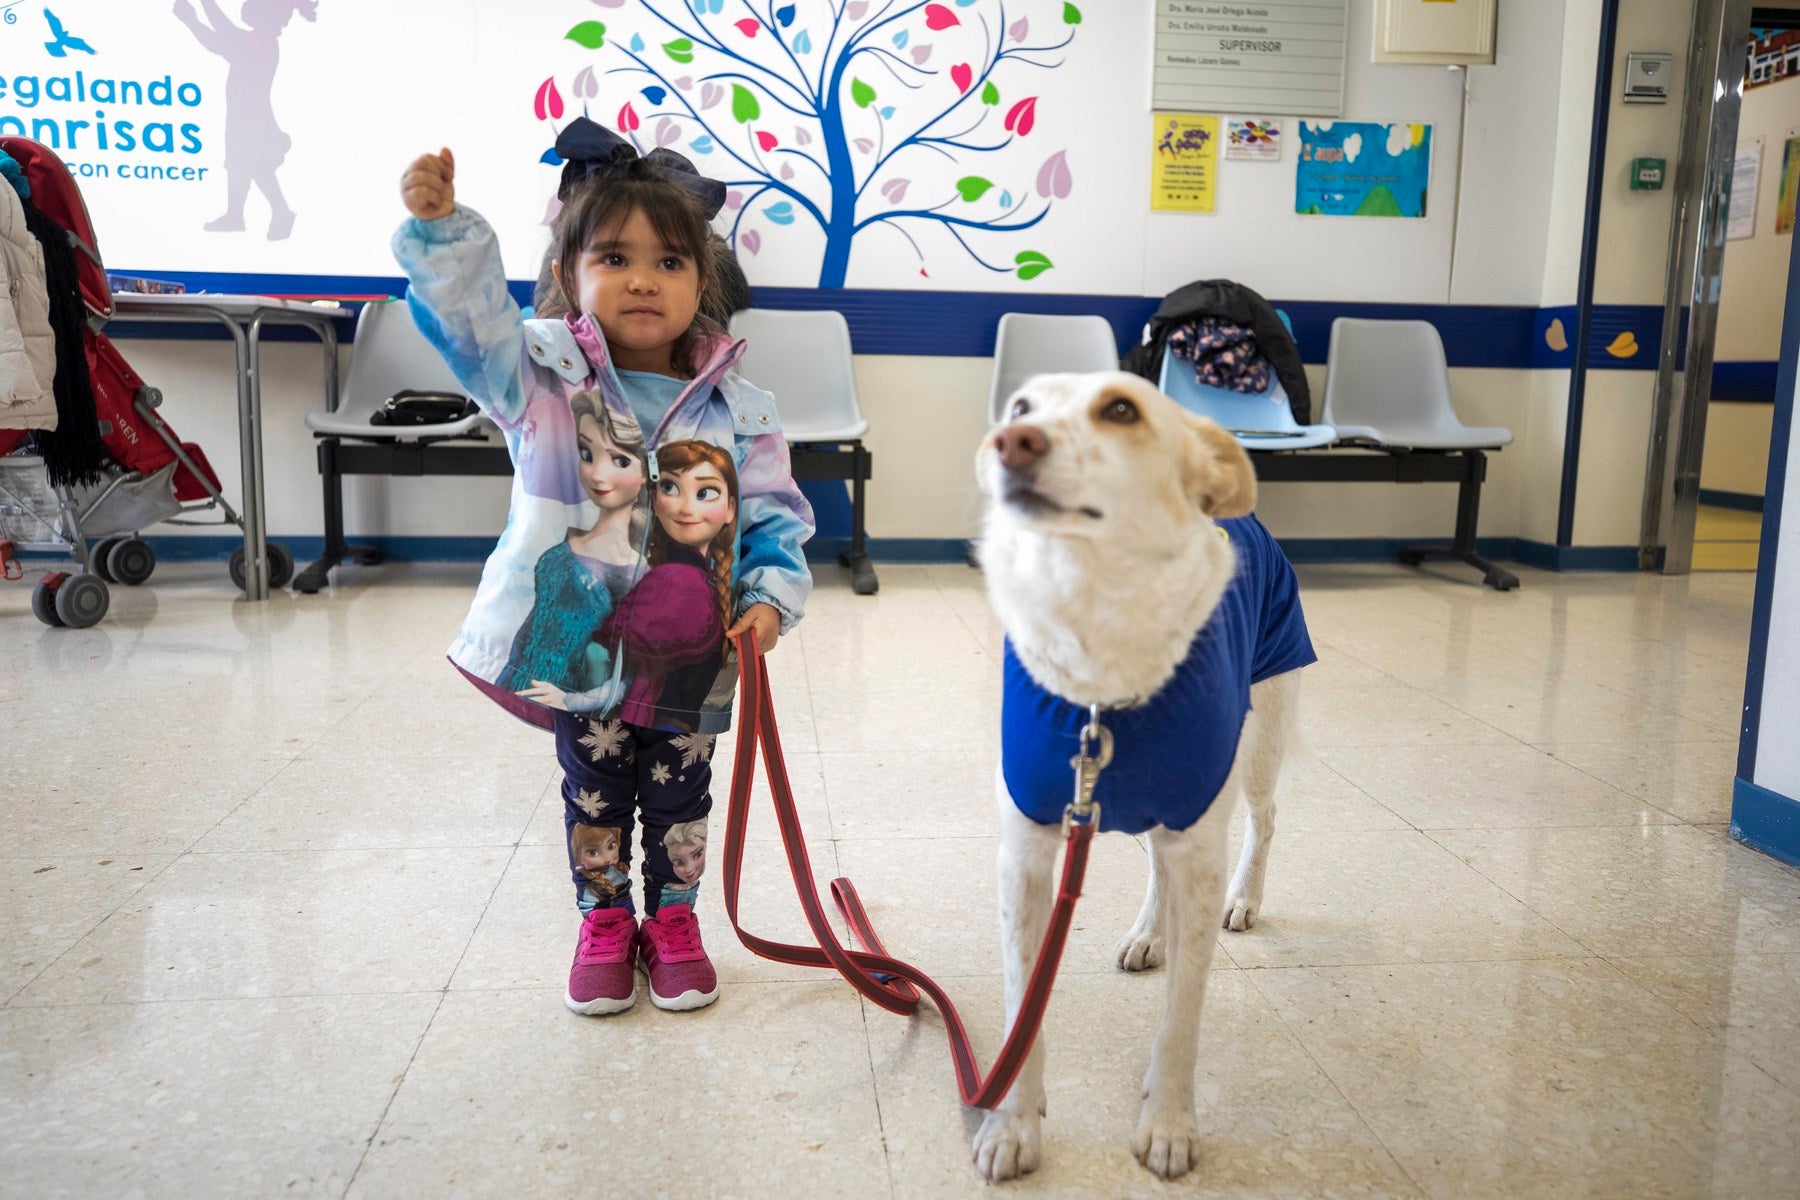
589, 150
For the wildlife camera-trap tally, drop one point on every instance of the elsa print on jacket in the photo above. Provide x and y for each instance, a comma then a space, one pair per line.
578, 581
255, 146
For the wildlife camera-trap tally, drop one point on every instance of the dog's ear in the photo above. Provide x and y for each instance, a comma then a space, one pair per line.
1216, 472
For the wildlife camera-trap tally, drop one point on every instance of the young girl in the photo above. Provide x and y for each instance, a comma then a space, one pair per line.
630, 258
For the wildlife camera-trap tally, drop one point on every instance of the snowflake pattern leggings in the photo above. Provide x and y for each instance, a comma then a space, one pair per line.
614, 773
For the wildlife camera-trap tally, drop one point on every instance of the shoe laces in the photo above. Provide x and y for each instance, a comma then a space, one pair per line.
605, 940
676, 934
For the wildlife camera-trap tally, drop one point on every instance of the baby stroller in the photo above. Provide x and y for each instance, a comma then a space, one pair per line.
152, 477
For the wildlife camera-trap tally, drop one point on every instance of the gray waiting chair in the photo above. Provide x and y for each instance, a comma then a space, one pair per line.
390, 355
1030, 344
802, 357
1387, 385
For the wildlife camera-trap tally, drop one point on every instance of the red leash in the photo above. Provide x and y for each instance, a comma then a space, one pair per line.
893, 984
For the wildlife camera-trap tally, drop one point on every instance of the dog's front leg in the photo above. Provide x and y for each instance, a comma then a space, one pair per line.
1191, 864
1006, 1145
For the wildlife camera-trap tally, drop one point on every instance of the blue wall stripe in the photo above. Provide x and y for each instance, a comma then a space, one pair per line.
963, 324
1741, 501
1766, 820
1744, 382
1780, 435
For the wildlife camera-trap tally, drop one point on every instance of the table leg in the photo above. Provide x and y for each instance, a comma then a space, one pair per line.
256, 544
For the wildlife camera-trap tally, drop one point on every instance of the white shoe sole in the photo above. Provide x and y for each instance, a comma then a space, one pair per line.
685, 1002
605, 1006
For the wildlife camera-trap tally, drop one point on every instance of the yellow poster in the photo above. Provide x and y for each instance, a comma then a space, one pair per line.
1790, 183
1185, 162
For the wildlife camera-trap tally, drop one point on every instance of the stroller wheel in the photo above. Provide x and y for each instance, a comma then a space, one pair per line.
281, 565
129, 561
43, 599
97, 556
82, 600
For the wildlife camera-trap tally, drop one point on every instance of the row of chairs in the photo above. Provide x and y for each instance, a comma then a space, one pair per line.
1387, 389
1386, 385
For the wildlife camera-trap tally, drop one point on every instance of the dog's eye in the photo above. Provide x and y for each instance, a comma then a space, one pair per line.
1020, 407
1120, 412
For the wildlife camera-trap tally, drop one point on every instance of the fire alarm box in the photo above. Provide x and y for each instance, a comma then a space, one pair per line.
1434, 32
1647, 174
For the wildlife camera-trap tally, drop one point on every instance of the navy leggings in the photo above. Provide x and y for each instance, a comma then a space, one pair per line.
615, 773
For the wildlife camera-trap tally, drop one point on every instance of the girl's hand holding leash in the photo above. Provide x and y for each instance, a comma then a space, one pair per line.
429, 185
764, 620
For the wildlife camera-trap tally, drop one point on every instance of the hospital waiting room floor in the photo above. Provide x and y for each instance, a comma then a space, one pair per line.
286, 913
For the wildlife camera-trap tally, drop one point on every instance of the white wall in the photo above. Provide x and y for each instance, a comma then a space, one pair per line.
1778, 737
1751, 299
1522, 163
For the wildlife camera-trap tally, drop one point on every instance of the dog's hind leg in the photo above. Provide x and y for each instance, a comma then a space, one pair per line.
1191, 863
1007, 1142
1267, 732
1142, 946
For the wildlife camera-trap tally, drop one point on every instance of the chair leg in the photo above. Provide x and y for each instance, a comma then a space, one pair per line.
336, 550
1468, 512
862, 571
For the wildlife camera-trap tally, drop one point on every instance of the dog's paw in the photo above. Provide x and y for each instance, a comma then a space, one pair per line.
1006, 1146
1167, 1142
1139, 951
1240, 913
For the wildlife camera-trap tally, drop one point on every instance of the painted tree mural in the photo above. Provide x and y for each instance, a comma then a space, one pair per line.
827, 110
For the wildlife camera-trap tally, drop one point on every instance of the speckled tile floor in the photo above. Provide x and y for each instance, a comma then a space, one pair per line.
284, 913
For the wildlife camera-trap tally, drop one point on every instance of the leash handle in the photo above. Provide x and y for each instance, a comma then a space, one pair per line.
890, 982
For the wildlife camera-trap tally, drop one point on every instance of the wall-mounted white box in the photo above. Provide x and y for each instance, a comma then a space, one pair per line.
1434, 32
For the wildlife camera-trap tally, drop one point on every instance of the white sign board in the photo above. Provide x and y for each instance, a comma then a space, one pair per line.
1746, 173
1230, 55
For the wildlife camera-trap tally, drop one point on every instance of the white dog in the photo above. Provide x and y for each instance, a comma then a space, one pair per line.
1119, 584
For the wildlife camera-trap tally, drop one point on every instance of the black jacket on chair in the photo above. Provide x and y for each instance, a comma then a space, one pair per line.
1240, 305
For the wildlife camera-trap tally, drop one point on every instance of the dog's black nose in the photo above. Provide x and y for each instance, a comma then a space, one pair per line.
1020, 446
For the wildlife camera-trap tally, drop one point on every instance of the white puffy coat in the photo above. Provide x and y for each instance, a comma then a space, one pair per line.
27, 346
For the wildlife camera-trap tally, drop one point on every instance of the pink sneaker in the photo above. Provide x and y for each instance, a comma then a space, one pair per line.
602, 980
681, 976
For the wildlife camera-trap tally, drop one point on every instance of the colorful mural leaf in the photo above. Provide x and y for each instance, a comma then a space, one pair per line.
628, 118
781, 213
1071, 15
550, 157
784, 16
1022, 116
1030, 264
586, 84
803, 42
766, 140
749, 26
962, 75
750, 240
655, 95
710, 94
989, 93
681, 50
920, 53
1053, 178
895, 190
939, 17
861, 93
702, 144
667, 132
548, 103
1018, 29
743, 104
591, 34
973, 187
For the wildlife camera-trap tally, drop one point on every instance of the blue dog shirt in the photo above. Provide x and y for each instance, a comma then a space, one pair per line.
1173, 753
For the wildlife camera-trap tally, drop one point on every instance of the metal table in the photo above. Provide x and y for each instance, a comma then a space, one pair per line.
245, 317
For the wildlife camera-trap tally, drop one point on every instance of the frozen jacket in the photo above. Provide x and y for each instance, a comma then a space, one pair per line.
1173, 753
27, 346
576, 446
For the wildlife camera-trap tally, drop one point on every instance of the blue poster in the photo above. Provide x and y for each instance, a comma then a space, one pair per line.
1362, 169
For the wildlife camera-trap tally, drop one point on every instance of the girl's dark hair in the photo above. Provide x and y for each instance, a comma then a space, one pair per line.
605, 203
